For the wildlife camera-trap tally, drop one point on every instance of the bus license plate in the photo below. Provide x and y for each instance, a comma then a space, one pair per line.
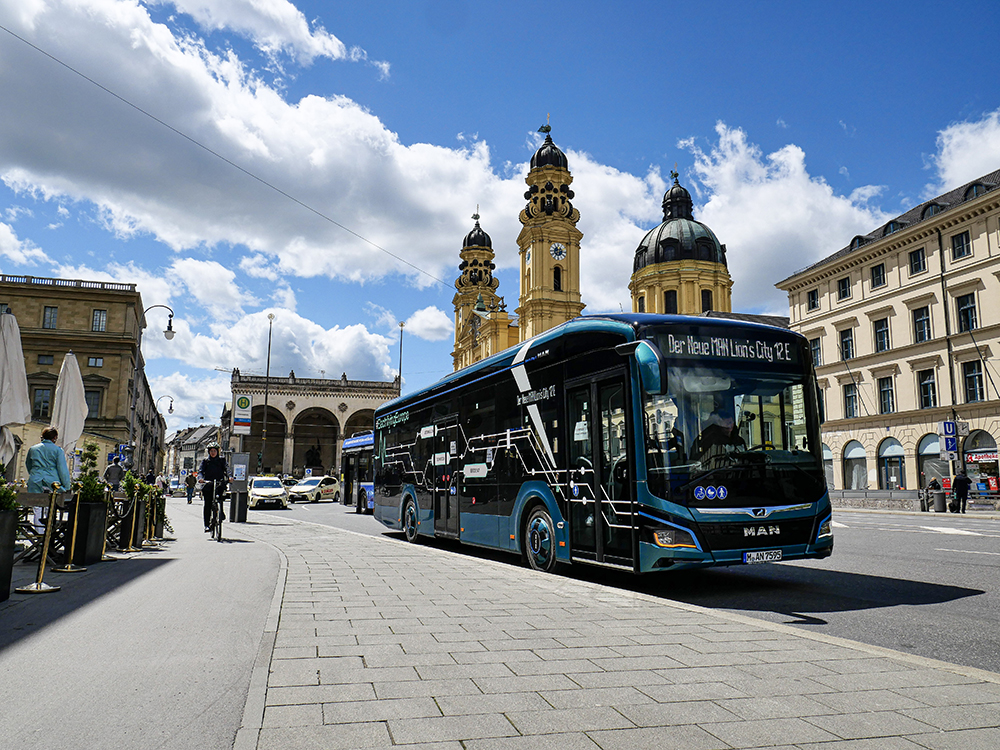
767, 555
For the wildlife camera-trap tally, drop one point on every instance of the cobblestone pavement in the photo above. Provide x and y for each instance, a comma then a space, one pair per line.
373, 643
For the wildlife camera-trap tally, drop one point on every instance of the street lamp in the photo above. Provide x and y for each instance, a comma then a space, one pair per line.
140, 367
267, 382
401, 324
170, 409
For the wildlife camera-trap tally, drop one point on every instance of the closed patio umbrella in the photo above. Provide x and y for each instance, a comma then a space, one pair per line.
15, 407
69, 409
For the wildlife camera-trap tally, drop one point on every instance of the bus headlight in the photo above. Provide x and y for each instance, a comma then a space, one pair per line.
825, 529
674, 537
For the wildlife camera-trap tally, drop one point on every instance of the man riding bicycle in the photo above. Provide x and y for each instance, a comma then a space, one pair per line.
216, 474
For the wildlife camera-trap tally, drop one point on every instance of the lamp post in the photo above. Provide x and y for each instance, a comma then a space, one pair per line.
140, 367
401, 325
267, 383
170, 409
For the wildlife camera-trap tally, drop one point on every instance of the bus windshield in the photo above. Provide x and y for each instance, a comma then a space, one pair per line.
734, 434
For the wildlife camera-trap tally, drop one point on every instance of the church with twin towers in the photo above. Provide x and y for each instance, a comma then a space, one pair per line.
679, 267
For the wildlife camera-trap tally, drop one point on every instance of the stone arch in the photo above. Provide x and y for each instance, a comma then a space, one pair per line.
268, 461
314, 441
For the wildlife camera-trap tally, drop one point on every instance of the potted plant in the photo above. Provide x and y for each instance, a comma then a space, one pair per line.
8, 534
92, 518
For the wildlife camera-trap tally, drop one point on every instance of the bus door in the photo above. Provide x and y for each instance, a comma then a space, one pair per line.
446, 460
600, 487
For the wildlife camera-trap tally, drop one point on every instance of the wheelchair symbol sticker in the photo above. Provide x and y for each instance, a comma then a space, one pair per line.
699, 493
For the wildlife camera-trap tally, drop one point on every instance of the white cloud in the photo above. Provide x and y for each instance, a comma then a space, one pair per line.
430, 324
21, 252
213, 286
274, 26
196, 401
965, 151
772, 215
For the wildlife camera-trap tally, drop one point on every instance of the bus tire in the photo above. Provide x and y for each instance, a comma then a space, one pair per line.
361, 502
410, 521
539, 540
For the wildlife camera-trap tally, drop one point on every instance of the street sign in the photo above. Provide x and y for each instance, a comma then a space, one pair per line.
948, 455
951, 444
946, 429
963, 429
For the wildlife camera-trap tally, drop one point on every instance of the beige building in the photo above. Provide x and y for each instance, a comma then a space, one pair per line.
904, 325
100, 323
307, 420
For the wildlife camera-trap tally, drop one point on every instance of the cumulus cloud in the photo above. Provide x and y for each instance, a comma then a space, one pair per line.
965, 151
196, 400
772, 215
21, 252
274, 26
213, 286
430, 324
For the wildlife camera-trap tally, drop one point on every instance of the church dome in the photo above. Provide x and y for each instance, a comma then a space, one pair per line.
549, 155
679, 237
477, 237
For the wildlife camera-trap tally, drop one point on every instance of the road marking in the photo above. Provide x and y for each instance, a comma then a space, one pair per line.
947, 530
968, 551
839, 525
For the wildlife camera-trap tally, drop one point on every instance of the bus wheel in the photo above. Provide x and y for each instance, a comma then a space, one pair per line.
410, 521
539, 541
362, 501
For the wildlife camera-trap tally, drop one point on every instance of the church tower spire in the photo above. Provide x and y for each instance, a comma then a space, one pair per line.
549, 244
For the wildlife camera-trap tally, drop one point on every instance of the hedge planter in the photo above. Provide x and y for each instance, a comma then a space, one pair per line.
8, 532
90, 528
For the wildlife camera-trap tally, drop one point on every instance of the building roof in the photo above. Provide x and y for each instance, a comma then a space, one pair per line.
679, 236
549, 155
926, 210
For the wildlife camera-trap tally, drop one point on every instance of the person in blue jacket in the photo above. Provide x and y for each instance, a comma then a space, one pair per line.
46, 463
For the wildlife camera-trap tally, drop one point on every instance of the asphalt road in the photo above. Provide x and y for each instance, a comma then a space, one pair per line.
925, 584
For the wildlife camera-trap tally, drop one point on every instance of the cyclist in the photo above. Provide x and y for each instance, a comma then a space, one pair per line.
215, 473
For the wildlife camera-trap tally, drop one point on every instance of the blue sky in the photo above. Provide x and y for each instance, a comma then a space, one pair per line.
795, 125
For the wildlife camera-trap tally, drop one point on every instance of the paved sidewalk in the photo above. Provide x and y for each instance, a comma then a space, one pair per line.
378, 643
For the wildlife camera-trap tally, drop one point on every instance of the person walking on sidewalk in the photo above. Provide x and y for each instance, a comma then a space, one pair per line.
114, 474
46, 463
191, 481
215, 473
960, 486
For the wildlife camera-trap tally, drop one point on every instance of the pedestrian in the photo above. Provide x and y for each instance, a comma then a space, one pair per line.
191, 481
960, 488
114, 474
46, 464
150, 478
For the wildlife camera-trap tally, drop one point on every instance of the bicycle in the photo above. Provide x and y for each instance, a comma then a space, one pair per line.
218, 512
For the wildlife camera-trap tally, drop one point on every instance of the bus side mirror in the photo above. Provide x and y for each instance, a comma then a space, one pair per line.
650, 364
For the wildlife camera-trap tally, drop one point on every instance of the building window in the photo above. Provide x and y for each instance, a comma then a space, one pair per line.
886, 398
960, 246
812, 299
892, 226
814, 348
46, 359
4, 308
844, 288
975, 191
93, 404
847, 343
95, 361
100, 323
41, 403
767, 432
921, 324
706, 300
931, 210
878, 275
850, 401
670, 302
882, 335
49, 317
928, 389
640, 304
972, 376
918, 262
966, 306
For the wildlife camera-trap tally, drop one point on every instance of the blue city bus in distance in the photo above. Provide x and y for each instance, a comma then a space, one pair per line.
633, 441
356, 475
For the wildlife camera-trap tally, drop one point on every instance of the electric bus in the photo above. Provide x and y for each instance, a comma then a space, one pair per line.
633, 441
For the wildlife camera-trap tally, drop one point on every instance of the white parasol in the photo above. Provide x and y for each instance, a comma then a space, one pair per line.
69, 410
15, 407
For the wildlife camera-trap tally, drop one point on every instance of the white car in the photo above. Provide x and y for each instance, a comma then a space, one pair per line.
314, 489
267, 491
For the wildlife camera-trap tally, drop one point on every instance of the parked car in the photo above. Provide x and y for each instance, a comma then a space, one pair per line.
267, 491
314, 489
289, 481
